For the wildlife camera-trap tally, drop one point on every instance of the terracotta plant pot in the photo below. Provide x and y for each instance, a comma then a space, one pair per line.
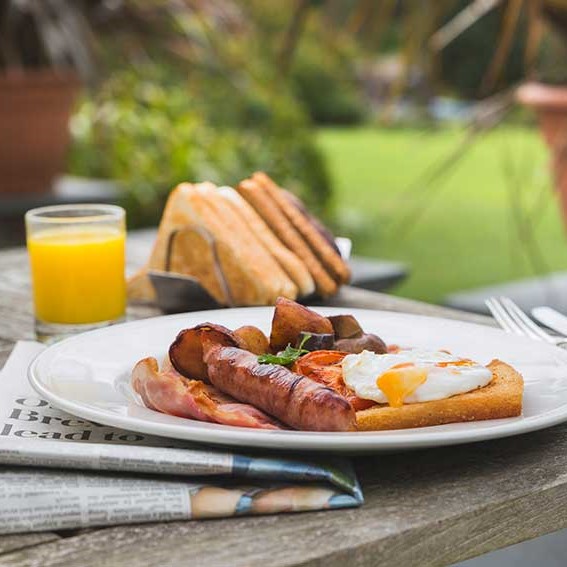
34, 124
550, 105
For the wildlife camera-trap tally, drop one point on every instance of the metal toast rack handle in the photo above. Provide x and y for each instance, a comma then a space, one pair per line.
175, 292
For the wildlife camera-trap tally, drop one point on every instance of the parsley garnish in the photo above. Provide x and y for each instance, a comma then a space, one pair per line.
287, 356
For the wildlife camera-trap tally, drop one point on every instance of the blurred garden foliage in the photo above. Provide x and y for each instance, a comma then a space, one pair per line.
323, 76
151, 132
463, 63
198, 94
193, 90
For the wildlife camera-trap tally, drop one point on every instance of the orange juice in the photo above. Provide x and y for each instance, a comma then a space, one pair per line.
78, 274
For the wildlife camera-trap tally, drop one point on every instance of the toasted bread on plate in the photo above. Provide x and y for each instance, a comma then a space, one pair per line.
499, 399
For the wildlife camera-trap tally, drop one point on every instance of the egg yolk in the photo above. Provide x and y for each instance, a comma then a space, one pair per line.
400, 381
461, 362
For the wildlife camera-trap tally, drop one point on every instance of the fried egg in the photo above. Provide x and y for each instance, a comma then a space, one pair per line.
411, 376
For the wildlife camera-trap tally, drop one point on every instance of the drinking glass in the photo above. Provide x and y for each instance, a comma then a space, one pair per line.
77, 260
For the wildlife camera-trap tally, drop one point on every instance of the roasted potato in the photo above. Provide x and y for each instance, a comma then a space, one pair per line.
290, 319
186, 351
253, 339
357, 344
346, 326
316, 341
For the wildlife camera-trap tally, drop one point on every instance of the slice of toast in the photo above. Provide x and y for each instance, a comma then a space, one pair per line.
289, 262
254, 278
262, 240
325, 252
262, 263
243, 265
269, 210
501, 398
176, 215
140, 288
193, 253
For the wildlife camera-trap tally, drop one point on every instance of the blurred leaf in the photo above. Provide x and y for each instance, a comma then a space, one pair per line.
461, 22
534, 33
509, 26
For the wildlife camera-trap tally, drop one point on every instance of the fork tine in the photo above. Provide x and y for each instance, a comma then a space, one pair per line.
496, 314
522, 319
512, 312
525, 329
502, 317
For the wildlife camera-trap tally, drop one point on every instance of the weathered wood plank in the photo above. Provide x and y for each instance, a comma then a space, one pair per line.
16, 312
15, 542
15, 296
5, 350
363, 299
17, 315
424, 508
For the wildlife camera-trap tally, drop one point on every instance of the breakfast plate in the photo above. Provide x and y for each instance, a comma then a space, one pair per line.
89, 376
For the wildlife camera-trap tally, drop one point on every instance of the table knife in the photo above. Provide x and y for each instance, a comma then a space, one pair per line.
551, 318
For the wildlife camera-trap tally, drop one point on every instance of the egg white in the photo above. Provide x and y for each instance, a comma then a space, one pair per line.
361, 371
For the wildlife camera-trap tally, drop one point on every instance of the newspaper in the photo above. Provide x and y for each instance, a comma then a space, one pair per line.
58, 471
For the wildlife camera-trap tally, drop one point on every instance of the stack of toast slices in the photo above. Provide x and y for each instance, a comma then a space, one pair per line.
245, 246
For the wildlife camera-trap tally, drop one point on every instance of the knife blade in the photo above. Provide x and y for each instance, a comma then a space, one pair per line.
552, 318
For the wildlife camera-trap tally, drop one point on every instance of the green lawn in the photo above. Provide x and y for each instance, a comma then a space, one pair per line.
458, 233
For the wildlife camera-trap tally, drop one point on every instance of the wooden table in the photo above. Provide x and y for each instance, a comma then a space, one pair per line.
423, 508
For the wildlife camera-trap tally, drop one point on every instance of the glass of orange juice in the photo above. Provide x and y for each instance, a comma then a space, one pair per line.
77, 260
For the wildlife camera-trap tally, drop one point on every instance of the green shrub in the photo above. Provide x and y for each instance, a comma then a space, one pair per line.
150, 128
465, 61
551, 65
192, 94
322, 71
323, 75
329, 96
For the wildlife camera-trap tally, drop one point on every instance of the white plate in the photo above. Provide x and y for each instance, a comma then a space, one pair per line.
88, 375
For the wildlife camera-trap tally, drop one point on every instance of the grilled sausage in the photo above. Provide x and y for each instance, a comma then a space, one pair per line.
296, 400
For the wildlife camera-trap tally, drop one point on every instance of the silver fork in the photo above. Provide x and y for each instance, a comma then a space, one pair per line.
513, 320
